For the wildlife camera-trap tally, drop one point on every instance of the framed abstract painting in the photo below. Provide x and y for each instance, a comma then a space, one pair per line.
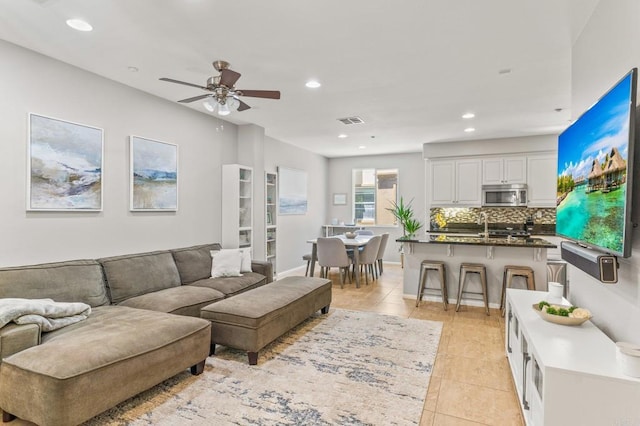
292, 191
154, 175
65, 162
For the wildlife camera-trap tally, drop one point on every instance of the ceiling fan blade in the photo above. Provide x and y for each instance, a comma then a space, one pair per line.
269, 94
228, 78
242, 106
195, 98
170, 80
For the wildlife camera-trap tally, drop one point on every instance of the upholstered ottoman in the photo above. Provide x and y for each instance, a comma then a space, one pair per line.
86, 368
255, 318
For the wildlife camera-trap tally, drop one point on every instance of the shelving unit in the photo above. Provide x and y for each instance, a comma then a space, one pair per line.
237, 206
271, 213
563, 374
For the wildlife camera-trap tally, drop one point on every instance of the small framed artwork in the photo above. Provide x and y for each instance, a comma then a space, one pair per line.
65, 165
154, 175
339, 199
269, 219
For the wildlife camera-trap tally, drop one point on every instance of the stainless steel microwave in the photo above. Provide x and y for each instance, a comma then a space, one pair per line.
514, 195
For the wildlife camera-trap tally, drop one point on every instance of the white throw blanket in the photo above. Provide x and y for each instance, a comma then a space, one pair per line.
49, 315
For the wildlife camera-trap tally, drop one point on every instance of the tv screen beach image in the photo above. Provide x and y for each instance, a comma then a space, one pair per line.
592, 172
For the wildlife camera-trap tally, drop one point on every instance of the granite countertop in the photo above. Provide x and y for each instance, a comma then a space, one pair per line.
481, 241
472, 228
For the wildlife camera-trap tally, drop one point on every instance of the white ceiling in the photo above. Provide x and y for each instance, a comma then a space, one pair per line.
408, 68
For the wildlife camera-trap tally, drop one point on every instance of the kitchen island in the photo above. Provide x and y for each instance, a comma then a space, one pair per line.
494, 253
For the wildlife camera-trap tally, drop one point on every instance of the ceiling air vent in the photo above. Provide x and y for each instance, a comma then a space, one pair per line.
351, 120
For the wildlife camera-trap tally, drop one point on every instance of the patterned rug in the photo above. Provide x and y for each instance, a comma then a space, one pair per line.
347, 367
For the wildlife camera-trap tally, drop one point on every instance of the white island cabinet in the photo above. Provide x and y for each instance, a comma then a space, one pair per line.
565, 375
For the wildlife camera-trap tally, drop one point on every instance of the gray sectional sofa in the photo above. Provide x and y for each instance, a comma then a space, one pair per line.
131, 341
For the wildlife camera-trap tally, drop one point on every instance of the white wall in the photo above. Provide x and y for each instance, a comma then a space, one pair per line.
501, 146
31, 82
294, 230
410, 186
605, 51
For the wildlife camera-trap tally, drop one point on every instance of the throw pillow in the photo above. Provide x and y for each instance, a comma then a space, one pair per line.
226, 263
246, 260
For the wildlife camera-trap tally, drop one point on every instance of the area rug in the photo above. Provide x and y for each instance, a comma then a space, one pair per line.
346, 367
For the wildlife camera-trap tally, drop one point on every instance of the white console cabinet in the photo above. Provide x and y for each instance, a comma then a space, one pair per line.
565, 375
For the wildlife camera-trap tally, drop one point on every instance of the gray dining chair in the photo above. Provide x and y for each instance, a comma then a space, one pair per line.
332, 253
369, 256
364, 232
383, 247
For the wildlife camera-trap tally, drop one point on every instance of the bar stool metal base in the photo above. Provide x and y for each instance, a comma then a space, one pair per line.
511, 271
433, 265
473, 268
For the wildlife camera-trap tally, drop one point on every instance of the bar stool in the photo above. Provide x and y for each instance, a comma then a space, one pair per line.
432, 265
473, 268
511, 271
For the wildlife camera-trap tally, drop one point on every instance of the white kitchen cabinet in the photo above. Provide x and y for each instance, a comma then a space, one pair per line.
562, 374
237, 206
542, 179
455, 182
503, 170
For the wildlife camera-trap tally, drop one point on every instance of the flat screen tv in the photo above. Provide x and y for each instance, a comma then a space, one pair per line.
595, 164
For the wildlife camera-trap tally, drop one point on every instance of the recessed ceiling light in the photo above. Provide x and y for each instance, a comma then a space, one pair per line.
361, 147
312, 84
470, 129
468, 115
79, 24
342, 136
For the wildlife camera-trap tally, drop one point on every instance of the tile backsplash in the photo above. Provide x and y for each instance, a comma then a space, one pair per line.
442, 217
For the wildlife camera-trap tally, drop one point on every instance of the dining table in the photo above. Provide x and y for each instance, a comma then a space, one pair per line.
349, 243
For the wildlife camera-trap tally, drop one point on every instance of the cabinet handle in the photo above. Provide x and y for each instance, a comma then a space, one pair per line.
509, 332
525, 360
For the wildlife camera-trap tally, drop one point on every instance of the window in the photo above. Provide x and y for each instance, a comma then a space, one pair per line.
374, 190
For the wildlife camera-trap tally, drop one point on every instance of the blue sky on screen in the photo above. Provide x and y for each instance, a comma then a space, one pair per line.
604, 126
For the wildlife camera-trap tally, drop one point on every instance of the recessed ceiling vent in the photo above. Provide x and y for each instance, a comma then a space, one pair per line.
351, 120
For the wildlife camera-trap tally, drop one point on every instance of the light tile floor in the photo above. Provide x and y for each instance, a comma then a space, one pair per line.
471, 382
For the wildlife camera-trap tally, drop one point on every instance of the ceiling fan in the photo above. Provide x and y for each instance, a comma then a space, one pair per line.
224, 96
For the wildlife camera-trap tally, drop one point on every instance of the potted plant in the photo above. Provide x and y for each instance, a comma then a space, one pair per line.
404, 215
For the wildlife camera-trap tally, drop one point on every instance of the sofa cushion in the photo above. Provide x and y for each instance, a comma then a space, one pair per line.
230, 286
72, 281
83, 369
183, 300
194, 263
136, 274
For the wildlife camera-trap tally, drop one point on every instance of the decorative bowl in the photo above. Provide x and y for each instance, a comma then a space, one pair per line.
557, 319
350, 235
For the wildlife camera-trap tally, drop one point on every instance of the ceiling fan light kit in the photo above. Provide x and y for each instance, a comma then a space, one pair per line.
224, 96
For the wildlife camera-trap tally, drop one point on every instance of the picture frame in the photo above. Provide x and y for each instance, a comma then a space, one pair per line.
153, 177
340, 199
65, 165
269, 219
292, 191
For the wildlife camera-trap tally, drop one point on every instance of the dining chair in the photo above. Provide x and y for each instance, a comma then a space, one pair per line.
383, 247
307, 258
368, 257
332, 253
364, 232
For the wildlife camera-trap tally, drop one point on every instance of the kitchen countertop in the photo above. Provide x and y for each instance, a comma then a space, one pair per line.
472, 228
481, 241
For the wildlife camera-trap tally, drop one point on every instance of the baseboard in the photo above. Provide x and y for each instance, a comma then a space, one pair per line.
438, 299
290, 271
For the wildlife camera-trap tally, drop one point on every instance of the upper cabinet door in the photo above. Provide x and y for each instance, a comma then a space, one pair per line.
468, 188
515, 169
542, 180
499, 170
442, 181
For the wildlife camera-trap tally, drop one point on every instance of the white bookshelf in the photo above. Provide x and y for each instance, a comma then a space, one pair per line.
237, 206
271, 217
